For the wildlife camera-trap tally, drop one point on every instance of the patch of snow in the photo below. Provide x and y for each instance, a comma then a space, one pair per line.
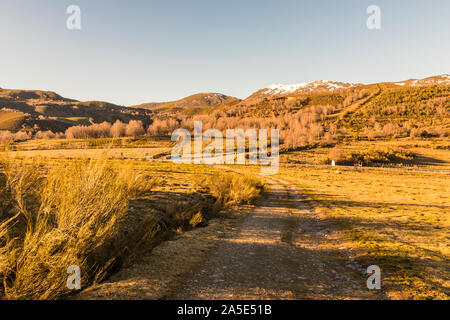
286, 88
310, 86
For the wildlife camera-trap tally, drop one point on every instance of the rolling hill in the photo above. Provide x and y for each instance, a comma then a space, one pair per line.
280, 90
411, 99
422, 102
33, 110
196, 101
321, 86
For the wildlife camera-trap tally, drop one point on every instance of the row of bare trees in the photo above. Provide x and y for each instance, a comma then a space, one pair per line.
302, 128
97, 130
106, 130
6, 135
296, 130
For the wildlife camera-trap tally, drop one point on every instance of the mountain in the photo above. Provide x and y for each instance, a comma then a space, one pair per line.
325, 86
33, 110
435, 80
279, 90
199, 100
45, 110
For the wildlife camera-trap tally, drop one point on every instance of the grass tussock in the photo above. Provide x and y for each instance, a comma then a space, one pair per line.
233, 189
51, 219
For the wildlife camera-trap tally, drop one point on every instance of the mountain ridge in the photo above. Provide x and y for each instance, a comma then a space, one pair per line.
46, 110
33, 110
195, 100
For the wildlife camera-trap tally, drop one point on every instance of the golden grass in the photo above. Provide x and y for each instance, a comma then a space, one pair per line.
104, 143
95, 214
372, 157
115, 153
233, 189
69, 216
399, 219
427, 152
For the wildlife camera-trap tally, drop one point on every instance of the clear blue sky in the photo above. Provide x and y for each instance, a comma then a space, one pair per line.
129, 52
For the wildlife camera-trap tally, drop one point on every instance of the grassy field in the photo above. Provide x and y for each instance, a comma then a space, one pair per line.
106, 143
431, 153
397, 220
129, 148
116, 153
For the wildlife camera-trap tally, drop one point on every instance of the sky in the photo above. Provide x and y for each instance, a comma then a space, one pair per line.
136, 51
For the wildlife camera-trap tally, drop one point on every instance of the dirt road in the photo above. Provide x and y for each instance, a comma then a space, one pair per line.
279, 251
276, 249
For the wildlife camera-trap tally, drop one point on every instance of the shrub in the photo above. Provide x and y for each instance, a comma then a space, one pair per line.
96, 130
336, 154
45, 135
375, 156
230, 188
134, 128
118, 129
6, 135
71, 215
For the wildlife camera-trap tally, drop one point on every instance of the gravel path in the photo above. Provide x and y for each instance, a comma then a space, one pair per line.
279, 251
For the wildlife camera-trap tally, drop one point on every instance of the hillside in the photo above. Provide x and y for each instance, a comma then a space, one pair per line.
418, 100
281, 90
418, 105
325, 113
323, 86
33, 110
281, 99
198, 101
435, 80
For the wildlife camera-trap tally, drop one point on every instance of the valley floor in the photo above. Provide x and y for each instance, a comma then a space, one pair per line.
278, 249
319, 247
312, 235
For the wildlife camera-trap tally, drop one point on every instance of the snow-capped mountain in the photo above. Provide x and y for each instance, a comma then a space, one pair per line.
306, 87
443, 79
280, 90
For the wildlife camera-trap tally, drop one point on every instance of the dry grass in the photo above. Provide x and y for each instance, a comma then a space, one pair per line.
399, 219
372, 157
431, 153
233, 189
105, 143
96, 214
116, 153
70, 215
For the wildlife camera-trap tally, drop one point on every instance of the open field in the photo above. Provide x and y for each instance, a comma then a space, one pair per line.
397, 220
130, 148
116, 153
426, 153
107, 143
375, 216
